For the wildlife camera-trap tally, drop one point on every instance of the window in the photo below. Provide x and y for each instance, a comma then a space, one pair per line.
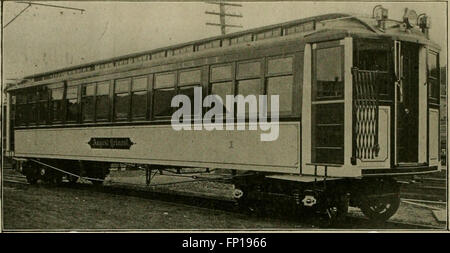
183, 50
158, 55
43, 105
305, 27
241, 39
122, 99
87, 102
164, 90
328, 69
279, 66
374, 55
373, 60
33, 105
165, 80
72, 104
221, 82
188, 80
280, 81
220, 73
222, 90
269, 34
433, 76
249, 82
281, 86
209, 44
56, 111
21, 104
190, 77
102, 101
139, 97
327, 109
249, 87
248, 70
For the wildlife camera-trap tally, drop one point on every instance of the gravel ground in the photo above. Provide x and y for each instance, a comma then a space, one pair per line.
41, 207
407, 213
44, 207
204, 188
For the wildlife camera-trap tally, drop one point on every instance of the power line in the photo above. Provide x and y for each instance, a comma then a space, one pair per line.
45, 5
14, 18
222, 14
54, 6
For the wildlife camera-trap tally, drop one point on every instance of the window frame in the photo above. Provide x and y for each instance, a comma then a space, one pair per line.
232, 80
77, 106
260, 78
320, 46
291, 72
180, 86
189, 83
380, 45
147, 88
317, 103
108, 95
232, 74
437, 79
33, 106
154, 89
22, 104
268, 75
57, 86
94, 84
42, 100
128, 92
246, 77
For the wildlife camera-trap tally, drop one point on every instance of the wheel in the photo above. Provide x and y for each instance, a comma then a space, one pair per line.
96, 171
337, 209
380, 208
249, 205
72, 179
31, 179
56, 179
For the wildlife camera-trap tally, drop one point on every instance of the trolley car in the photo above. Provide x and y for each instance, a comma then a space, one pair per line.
359, 105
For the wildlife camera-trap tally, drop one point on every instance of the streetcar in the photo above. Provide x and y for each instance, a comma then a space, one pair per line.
358, 106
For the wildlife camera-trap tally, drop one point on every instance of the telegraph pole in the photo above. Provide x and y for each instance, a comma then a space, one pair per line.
222, 14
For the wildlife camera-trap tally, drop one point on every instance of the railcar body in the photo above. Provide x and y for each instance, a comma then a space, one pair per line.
359, 103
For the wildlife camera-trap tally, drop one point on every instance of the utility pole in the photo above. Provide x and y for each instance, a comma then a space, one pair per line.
222, 14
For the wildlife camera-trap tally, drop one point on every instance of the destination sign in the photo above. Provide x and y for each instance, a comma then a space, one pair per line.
110, 143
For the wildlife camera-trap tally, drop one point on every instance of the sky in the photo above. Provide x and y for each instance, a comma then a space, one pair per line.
43, 39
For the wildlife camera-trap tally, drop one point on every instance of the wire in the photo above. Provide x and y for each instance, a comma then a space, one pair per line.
45, 5
29, 5
54, 6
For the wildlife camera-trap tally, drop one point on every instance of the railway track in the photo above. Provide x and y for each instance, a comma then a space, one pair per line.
227, 205
14, 179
